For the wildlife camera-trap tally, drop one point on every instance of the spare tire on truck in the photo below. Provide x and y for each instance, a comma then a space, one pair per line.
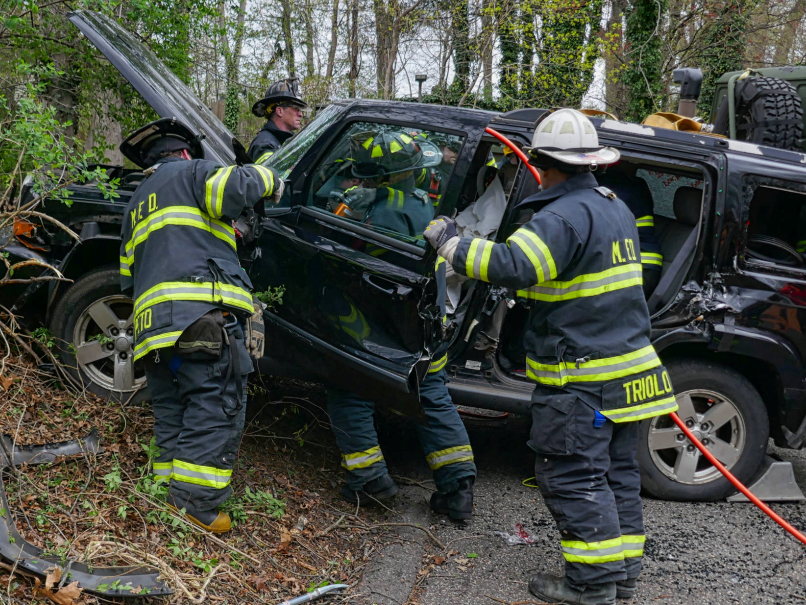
768, 112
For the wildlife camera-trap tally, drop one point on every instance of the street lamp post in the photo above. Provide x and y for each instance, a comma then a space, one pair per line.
420, 78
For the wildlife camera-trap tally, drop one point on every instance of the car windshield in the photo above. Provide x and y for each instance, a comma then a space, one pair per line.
289, 154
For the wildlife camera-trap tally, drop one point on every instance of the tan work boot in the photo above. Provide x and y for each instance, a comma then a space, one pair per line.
213, 521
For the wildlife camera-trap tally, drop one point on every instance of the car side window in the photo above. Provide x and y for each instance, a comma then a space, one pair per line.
387, 177
776, 222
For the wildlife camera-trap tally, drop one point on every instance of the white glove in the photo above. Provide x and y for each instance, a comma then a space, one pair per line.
279, 188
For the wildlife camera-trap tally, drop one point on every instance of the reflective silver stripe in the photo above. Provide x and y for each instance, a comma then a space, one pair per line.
180, 217
362, 461
647, 410
214, 292
532, 252
463, 454
546, 290
196, 477
155, 342
599, 552
603, 368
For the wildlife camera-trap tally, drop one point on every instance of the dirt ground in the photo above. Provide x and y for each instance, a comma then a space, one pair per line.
291, 532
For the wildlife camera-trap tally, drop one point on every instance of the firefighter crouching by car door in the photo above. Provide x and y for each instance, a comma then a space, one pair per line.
282, 106
588, 351
386, 164
191, 298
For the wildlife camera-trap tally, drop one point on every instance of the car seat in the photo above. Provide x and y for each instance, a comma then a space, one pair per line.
672, 234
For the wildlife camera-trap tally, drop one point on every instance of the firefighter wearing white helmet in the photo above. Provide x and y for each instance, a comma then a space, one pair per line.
588, 352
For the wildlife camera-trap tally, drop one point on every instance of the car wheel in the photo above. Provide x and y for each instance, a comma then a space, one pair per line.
725, 411
92, 323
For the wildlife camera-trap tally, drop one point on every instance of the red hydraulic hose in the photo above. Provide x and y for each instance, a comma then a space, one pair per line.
517, 151
736, 483
708, 455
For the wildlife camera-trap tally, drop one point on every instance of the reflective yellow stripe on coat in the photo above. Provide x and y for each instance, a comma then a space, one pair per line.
590, 284
232, 296
595, 370
438, 364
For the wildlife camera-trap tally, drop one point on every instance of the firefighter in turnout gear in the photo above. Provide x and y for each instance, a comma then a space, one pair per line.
386, 162
588, 351
282, 106
635, 193
178, 261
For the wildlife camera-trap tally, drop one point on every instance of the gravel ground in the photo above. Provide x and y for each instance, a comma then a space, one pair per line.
700, 553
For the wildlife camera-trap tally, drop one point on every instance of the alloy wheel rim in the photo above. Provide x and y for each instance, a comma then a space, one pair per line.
104, 344
715, 421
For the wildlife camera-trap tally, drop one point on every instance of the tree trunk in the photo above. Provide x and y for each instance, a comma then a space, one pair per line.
384, 23
232, 61
289, 42
614, 47
487, 33
462, 57
309, 65
334, 40
353, 48
789, 32
508, 78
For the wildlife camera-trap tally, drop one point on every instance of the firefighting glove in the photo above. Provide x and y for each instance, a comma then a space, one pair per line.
358, 198
442, 235
256, 332
279, 188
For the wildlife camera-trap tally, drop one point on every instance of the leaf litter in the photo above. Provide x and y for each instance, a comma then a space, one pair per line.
106, 510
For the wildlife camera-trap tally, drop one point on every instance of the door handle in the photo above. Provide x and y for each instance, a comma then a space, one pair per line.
387, 286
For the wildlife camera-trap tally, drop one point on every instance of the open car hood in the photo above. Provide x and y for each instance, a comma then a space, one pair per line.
159, 86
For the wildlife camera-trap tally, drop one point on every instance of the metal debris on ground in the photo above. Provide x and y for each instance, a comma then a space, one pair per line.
104, 581
311, 596
520, 536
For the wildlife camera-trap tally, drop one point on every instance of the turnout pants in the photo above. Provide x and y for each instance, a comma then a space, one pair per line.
444, 441
588, 475
199, 410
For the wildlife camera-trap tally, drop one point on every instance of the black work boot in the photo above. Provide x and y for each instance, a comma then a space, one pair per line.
380, 488
625, 589
551, 589
212, 520
458, 504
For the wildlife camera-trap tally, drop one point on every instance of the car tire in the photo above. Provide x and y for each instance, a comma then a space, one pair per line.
768, 112
92, 324
727, 411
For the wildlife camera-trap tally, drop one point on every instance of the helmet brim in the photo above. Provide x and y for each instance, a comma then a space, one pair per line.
602, 157
135, 147
259, 108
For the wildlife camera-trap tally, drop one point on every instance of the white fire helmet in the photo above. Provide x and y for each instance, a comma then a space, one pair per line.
568, 136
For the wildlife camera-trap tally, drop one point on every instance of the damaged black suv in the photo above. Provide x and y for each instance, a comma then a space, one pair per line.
359, 309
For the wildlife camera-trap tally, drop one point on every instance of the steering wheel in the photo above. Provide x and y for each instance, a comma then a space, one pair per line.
782, 252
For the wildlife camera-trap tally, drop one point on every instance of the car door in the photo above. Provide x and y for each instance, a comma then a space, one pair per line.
359, 309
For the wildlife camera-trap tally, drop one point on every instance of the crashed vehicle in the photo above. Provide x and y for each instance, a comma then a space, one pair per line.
360, 304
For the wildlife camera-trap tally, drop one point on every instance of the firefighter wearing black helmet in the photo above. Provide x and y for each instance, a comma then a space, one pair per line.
596, 373
386, 164
282, 106
178, 261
